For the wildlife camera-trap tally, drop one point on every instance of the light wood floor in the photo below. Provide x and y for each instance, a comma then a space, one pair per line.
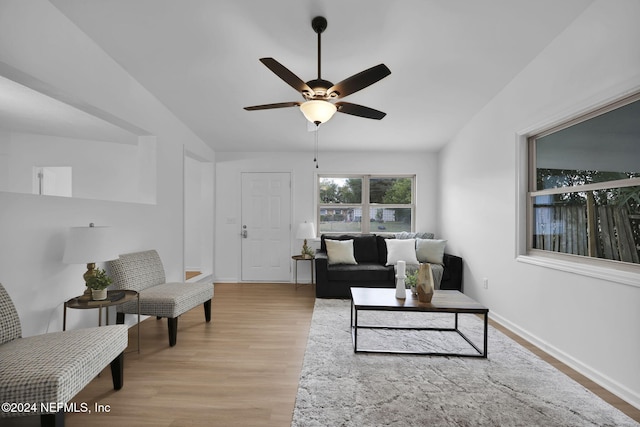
191, 274
242, 369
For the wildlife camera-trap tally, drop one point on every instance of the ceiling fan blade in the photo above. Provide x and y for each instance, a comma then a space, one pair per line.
359, 110
359, 81
285, 74
269, 106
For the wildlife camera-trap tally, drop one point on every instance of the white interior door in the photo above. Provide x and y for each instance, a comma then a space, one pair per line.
266, 226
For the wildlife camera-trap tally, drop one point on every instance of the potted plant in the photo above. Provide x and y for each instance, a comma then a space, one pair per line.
98, 284
411, 280
307, 251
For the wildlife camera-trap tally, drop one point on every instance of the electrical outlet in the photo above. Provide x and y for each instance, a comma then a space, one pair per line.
485, 283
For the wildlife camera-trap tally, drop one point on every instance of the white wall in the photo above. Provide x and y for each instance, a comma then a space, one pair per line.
100, 170
192, 191
38, 40
199, 219
229, 166
592, 324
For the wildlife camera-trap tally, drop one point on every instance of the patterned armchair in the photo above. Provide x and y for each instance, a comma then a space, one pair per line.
48, 370
144, 272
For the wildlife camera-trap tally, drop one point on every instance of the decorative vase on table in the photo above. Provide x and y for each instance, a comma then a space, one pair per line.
400, 276
424, 283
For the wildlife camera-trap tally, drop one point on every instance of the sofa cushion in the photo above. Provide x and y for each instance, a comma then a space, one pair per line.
10, 328
169, 299
382, 248
430, 250
325, 237
340, 252
137, 270
408, 235
364, 246
401, 250
363, 272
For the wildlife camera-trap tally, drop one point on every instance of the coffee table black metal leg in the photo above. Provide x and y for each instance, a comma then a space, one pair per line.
351, 324
354, 327
486, 334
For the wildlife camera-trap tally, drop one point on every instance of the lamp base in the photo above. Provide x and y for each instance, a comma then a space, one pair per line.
86, 296
306, 252
89, 273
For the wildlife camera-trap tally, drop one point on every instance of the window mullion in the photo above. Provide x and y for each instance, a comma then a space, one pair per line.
605, 185
366, 206
533, 167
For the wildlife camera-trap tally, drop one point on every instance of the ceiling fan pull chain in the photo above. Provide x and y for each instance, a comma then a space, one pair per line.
315, 155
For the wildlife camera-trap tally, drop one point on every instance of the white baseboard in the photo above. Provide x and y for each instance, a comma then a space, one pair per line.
204, 277
226, 280
609, 384
236, 280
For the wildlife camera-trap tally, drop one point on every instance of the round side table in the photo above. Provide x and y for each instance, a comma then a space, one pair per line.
297, 258
115, 297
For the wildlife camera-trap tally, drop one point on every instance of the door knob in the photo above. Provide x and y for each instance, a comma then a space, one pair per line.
244, 232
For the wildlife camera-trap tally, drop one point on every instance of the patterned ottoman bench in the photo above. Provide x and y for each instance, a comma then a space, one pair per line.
144, 272
47, 371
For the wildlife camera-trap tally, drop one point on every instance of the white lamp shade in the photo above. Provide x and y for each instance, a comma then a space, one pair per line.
318, 111
89, 244
306, 230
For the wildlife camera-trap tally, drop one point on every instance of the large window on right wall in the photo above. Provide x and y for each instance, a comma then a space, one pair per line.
584, 186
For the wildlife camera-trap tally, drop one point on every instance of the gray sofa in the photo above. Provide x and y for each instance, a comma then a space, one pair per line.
370, 252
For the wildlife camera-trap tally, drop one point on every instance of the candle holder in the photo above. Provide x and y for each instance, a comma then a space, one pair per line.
400, 276
401, 292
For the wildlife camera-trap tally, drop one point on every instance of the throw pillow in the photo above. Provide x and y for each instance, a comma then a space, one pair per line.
430, 250
340, 251
407, 235
401, 250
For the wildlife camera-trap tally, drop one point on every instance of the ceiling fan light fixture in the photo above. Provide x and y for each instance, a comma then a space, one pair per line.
318, 111
318, 92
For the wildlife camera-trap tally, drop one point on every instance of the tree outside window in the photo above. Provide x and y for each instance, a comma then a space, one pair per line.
584, 196
365, 203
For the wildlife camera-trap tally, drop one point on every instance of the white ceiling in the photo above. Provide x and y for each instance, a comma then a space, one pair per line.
448, 58
23, 109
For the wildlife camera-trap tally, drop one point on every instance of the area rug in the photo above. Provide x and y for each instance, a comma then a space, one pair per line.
512, 387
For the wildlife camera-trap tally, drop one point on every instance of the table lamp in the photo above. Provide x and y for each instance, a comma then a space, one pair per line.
306, 230
88, 245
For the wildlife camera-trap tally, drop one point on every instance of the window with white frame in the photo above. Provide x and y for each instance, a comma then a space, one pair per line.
365, 203
584, 186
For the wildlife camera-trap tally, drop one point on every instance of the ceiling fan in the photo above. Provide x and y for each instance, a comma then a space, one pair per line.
318, 93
